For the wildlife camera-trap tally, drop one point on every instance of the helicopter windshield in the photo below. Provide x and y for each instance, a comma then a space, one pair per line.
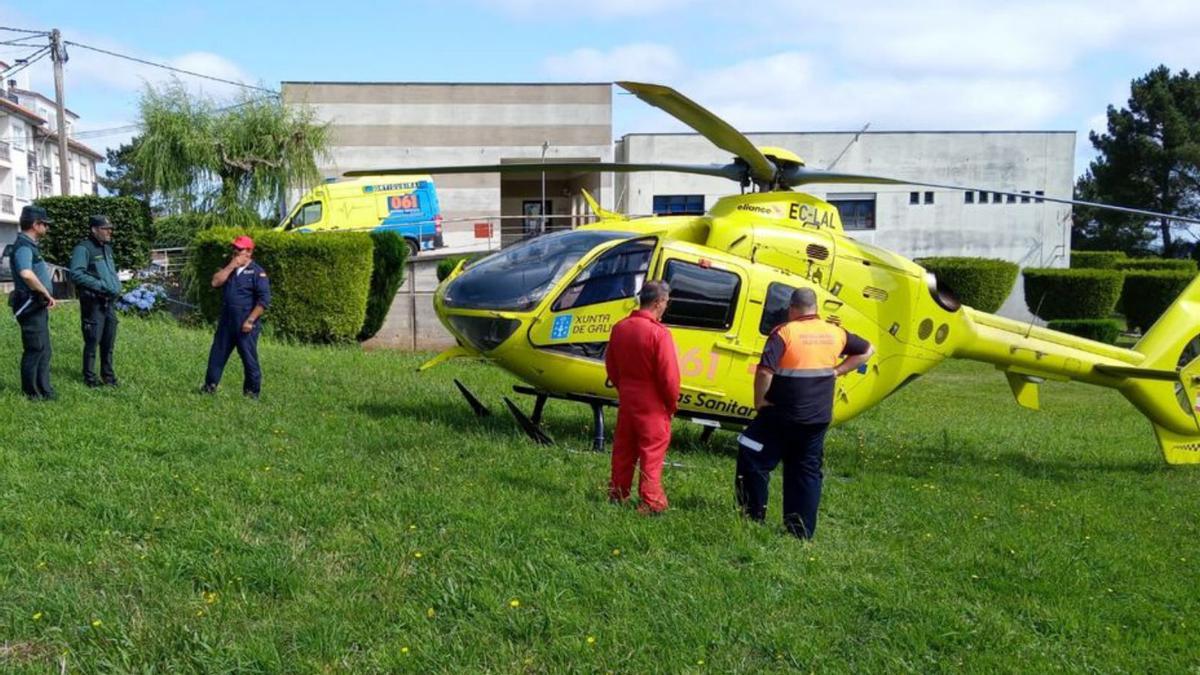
520, 276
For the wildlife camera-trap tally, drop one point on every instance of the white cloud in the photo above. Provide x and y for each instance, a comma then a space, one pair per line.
634, 61
604, 9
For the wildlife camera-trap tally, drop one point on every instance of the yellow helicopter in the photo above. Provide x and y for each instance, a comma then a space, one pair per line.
543, 309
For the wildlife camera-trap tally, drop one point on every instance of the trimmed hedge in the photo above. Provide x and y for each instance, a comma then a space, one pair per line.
982, 283
1100, 330
319, 282
1096, 260
132, 229
447, 265
1148, 293
1146, 264
1072, 294
387, 273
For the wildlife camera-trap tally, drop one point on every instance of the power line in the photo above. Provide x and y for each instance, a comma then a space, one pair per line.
170, 68
25, 30
25, 62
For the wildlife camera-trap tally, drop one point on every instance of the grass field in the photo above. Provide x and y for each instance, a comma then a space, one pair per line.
358, 519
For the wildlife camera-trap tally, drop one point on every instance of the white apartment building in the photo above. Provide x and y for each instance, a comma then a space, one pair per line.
29, 166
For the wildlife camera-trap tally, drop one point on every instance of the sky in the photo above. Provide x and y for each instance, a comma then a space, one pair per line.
770, 65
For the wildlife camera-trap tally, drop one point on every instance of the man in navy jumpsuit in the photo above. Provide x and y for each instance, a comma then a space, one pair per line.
245, 295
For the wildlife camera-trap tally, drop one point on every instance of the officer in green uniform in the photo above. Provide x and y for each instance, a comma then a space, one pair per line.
31, 301
95, 277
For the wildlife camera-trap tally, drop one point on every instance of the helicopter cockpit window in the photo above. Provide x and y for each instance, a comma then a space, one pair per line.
616, 274
518, 277
701, 297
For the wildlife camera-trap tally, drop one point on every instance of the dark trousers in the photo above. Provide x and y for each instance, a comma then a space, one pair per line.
801, 448
229, 337
98, 317
35, 354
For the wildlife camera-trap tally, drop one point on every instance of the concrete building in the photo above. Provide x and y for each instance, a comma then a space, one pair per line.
29, 166
388, 125
914, 222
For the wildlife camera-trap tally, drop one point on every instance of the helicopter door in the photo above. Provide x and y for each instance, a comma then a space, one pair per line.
707, 294
602, 294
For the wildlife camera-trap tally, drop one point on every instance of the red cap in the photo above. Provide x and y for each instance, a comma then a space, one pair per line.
244, 242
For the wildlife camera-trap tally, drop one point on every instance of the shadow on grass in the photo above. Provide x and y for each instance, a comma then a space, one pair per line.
929, 457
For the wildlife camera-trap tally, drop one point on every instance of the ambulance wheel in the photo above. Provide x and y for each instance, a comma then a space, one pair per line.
413, 248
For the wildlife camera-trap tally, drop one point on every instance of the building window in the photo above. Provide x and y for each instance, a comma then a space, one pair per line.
914, 198
983, 197
997, 198
1024, 196
678, 205
1040, 193
18, 141
1011, 199
616, 274
701, 297
857, 211
22, 187
969, 197
928, 197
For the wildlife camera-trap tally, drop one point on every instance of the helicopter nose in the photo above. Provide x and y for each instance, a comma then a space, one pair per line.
484, 333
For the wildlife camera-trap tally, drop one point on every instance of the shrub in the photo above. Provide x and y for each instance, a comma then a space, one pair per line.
1100, 330
1071, 294
982, 283
319, 282
144, 299
1145, 264
1147, 294
1096, 260
132, 229
179, 230
389, 253
447, 265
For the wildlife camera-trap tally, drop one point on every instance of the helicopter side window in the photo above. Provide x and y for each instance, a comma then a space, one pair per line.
616, 274
775, 307
701, 297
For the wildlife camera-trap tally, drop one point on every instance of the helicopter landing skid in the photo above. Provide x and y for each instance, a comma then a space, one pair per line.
477, 407
531, 429
540, 397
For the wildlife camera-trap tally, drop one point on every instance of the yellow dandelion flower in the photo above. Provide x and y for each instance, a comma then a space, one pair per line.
199, 612
417, 554
211, 598
514, 603
616, 551
404, 650
699, 662
430, 613
37, 616
412, 527
96, 623
591, 640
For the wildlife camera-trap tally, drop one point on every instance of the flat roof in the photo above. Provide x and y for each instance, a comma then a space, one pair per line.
459, 84
861, 133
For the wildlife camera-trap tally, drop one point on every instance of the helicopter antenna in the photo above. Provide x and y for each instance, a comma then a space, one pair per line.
852, 142
1035, 313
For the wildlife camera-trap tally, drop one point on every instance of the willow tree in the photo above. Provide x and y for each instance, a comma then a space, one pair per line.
236, 161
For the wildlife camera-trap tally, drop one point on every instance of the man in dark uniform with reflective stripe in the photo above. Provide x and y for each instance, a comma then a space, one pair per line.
95, 276
793, 394
245, 295
31, 301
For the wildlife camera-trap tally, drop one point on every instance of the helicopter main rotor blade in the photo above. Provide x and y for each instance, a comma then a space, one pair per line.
709, 125
730, 171
803, 176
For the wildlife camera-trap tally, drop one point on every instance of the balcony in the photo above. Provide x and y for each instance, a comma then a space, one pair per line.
6, 205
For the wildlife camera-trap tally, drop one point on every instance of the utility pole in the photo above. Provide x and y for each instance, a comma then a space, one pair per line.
58, 54
542, 223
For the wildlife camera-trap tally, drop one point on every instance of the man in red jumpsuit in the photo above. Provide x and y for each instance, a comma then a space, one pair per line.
643, 366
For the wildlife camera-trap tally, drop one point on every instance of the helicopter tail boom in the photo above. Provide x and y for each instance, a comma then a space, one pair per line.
1160, 376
